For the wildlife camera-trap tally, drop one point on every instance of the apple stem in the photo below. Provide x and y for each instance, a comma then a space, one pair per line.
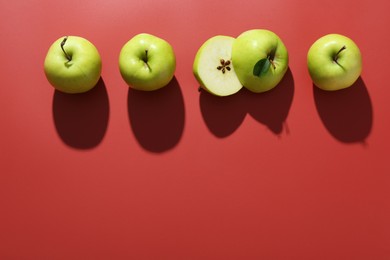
145, 59
62, 47
337, 54
271, 57
272, 62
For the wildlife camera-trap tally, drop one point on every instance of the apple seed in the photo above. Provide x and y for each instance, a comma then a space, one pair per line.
224, 66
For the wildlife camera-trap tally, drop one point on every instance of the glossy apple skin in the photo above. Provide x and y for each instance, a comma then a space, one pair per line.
78, 75
328, 74
156, 72
249, 48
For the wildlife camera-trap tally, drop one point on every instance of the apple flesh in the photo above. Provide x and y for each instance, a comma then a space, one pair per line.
213, 68
334, 62
147, 62
260, 59
72, 65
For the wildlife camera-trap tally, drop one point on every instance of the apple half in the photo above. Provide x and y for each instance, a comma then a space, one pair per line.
213, 67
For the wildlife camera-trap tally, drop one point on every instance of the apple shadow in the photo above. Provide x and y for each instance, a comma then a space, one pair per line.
271, 108
222, 115
81, 120
157, 117
347, 114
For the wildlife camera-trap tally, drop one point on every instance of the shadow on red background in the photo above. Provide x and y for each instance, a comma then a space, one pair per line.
223, 115
347, 114
157, 117
271, 108
81, 120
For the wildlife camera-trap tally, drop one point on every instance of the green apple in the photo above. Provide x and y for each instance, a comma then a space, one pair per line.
334, 62
73, 65
213, 67
260, 59
147, 62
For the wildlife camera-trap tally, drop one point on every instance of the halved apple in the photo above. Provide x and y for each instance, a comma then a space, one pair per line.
213, 67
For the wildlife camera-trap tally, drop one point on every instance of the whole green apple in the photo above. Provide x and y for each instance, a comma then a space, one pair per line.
147, 62
72, 65
260, 59
334, 62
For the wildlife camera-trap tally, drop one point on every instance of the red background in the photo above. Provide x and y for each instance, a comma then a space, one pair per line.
295, 173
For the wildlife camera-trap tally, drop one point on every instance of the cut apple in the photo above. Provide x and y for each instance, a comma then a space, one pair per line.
213, 67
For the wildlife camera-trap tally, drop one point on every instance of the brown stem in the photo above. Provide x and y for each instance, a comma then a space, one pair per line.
145, 59
62, 47
271, 57
335, 58
272, 63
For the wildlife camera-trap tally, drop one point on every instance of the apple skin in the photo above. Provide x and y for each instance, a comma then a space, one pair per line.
78, 75
253, 45
326, 73
147, 62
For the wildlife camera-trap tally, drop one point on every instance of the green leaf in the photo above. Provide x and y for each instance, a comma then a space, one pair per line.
261, 67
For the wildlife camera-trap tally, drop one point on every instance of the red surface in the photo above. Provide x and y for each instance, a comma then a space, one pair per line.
295, 173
